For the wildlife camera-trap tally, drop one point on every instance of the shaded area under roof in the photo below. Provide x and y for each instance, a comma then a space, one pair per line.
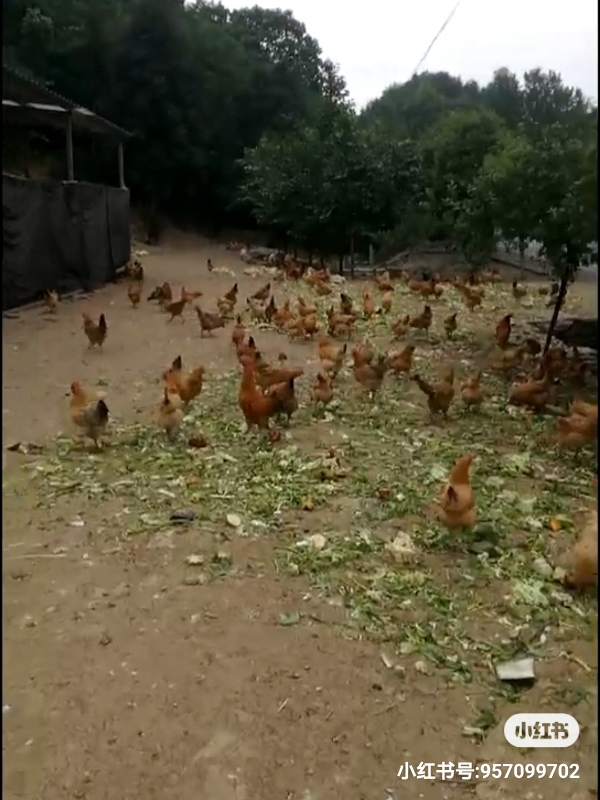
26, 102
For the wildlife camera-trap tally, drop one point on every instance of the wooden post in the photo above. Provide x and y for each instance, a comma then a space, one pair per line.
562, 291
121, 158
70, 162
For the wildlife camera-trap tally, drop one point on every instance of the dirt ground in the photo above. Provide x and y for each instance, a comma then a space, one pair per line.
126, 676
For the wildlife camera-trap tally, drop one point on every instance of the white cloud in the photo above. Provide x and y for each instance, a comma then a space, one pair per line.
381, 42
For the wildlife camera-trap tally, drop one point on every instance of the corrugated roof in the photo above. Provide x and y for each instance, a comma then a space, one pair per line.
25, 101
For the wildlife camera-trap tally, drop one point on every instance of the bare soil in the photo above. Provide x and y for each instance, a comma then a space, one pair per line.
123, 679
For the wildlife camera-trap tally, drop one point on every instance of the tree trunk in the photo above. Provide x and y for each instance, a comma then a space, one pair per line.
310, 258
352, 257
341, 263
295, 251
562, 291
522, 259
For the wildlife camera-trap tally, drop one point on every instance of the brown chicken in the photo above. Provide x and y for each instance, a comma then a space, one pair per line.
282, 315
155, 294
231, 295
170, 413
270, 310
174, 370
322, 289
457, 502
584, 409
439, 394
322, 391
227, 303
314, 277
534, 394
135, 270
423, 321
165, 294
88, 413
471, 392
387, 298
472, 300
238, 334
370, 376
286, 395
331, 356
294, 328
175, 309
415, 285
450, 325
508, 359
189, 297
575, 431
340, 324
340, 328
263, 293
186, 386
436, 290
368, 304
267, 375
583, 569
256, 407
134, 295
553, 362
208, 322
310, 325
518, 291
225, 307
383, 282
400, 327
400, 361
503, 331
363, 353
246, 349
51, 300
96, 334
306, 309
346, 304
491, 276
257, 309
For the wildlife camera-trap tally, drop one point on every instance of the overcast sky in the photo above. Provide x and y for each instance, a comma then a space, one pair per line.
381, 41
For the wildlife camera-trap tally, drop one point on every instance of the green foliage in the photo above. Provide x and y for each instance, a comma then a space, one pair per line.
238, 117
196, 83
545, 191
331, 181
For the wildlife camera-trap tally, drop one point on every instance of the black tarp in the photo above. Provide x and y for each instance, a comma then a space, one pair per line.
62, 236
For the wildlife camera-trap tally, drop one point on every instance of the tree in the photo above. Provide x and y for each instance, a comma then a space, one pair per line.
548, 101
504, 96
412, 108
331, 182
455, 151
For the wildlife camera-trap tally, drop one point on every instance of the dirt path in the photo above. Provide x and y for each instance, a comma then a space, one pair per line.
131, 673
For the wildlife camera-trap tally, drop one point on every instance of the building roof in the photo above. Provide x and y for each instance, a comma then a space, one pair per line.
26, 102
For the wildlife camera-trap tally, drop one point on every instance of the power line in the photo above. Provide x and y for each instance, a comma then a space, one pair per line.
435, 38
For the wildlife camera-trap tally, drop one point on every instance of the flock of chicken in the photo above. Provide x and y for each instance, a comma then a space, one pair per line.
267, 391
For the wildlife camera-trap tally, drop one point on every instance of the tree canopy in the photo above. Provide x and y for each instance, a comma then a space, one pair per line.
240, 118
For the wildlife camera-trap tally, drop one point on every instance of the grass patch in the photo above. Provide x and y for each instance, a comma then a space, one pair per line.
461, 602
